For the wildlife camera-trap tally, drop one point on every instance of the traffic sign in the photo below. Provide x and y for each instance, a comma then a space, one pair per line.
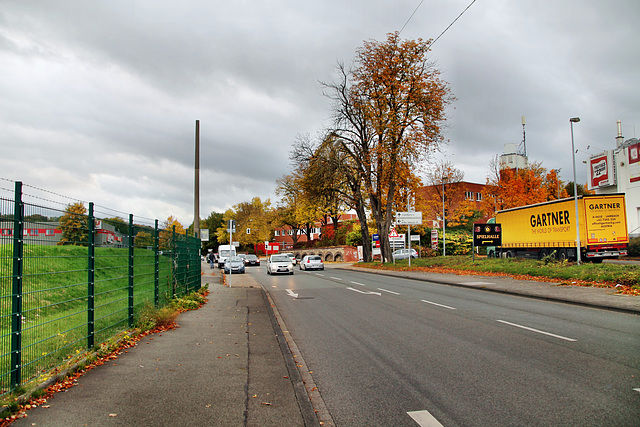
394, 234
409, 218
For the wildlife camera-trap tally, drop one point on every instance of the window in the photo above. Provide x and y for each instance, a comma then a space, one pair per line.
468, 195
478, 197
49, 232
277, 233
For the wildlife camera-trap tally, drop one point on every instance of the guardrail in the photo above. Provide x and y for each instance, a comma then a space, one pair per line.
70, 280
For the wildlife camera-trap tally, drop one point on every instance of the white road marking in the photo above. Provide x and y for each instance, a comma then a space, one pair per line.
637, 389
536, 330
359, 284
336, 278
319, 274
424, 419
391, 292
365, 292
291, 294
439, 305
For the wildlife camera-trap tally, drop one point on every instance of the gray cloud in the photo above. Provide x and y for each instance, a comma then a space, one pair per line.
98, 100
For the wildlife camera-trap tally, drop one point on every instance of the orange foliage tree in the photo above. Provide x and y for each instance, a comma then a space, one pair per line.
509, 188
389, 112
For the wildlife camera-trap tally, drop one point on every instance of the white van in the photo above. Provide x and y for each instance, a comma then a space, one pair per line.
224, 252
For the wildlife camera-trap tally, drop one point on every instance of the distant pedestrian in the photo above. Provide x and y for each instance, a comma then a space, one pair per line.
211, 258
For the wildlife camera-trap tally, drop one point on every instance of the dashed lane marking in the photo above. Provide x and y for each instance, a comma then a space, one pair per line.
439, 305
424, 419
536, 330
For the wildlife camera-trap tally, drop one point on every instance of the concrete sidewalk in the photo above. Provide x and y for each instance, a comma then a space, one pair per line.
223, 366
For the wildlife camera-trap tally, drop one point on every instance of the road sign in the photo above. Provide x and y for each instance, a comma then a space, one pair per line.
204, 235
434, 239
394, 234
409, 218
487, 234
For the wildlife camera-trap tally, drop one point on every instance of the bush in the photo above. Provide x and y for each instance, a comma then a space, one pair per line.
634, 247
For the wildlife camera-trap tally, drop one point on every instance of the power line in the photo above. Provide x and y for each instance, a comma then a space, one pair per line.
454, 21
414, 12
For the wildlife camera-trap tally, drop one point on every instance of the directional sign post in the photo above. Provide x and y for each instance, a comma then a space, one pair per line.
409, 218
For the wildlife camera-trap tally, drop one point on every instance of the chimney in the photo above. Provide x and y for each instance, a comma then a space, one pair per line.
619, 138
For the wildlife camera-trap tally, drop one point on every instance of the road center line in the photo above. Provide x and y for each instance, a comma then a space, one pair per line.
356, 283
424, 419
391, 292
536, 330
439, 305
336, 278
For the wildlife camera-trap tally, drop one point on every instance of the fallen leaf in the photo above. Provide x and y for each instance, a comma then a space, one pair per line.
113, 415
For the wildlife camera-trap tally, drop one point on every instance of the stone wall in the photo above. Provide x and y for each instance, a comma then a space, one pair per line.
330, 254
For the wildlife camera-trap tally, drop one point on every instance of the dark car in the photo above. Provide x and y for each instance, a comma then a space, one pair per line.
251, 260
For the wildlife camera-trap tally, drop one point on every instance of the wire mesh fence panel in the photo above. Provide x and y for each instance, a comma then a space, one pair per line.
70, 281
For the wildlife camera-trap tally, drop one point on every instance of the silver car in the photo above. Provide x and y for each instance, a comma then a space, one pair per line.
279, 264
404, 254
234, 264
312, 262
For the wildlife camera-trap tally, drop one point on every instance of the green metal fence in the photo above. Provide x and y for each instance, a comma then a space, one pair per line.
71, 278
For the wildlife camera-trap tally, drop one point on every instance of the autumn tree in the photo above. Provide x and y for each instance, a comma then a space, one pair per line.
166, 232
509, 188
295, 210
211, 223
323, 177
253, 221
73, 225
143, 239
388, 113
445, 179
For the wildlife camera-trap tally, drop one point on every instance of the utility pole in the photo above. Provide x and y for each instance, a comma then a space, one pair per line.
196, 200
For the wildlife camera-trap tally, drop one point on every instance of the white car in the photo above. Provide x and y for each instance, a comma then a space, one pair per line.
312, 262
292, 256
279, 264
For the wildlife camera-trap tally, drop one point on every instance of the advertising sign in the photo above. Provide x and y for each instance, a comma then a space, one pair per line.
487, 235
434, 239
634, 162
601, 170
204, 235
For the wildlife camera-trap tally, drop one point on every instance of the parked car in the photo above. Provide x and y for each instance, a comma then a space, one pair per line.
404, 254
279, 264
251, 260
292, 256
234, 264
311, 262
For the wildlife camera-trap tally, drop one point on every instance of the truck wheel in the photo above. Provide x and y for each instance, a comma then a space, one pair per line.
562, 255
542, 254
492, 254
509, 254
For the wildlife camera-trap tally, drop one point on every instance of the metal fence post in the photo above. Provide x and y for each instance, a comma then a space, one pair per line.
16, 297
131, 270
174, 267
156, 278
91, 290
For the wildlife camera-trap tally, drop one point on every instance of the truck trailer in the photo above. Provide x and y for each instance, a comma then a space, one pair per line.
549, 229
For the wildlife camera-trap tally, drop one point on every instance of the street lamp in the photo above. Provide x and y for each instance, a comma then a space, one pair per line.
575, 190
444, 220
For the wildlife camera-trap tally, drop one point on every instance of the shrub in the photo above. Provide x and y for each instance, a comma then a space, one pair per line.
634, 247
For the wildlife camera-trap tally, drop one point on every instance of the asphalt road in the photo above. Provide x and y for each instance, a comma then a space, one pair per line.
391, 351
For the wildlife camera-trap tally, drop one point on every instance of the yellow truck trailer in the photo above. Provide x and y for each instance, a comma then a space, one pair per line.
550, 229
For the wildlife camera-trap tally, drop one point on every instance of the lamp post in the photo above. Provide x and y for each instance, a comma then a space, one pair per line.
444, 220
575, 190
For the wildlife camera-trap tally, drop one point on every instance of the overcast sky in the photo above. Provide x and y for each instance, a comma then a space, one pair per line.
98, 99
